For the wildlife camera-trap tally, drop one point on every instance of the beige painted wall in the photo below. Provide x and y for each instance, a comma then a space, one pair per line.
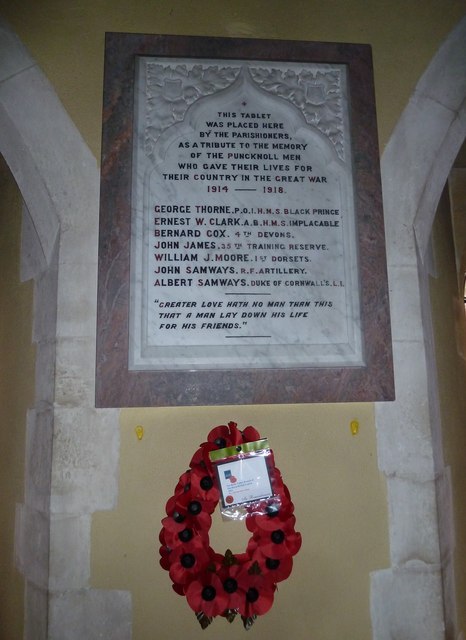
340, 506
450, 330
338, 492
16, 396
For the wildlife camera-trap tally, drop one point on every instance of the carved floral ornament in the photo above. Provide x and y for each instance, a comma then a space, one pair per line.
315, 90
228, 584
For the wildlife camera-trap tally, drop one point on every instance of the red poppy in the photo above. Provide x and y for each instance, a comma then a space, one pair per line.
165, 557
195, 505
206, 594
280, 490
258, 593
274, 569
278, 542
201, 457
250, 434
275, 478
178, 588
229, 578
189, 509
188, 561
172, 509
225, 436
268, 514
185, 514
175, 539
270, 522
176, 516
204, 485
184, 483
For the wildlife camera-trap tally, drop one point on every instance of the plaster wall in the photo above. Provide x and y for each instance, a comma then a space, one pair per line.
88, 456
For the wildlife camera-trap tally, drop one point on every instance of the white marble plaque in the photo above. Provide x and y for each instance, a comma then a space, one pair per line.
243, 248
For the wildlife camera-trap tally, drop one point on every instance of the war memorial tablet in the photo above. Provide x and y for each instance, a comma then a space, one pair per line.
244, 250
246, 225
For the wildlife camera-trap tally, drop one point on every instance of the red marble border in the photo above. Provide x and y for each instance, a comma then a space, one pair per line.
116, 386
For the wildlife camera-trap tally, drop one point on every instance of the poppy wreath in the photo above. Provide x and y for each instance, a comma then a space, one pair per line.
229, 584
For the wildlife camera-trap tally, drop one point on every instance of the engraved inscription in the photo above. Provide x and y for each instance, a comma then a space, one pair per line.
244, 241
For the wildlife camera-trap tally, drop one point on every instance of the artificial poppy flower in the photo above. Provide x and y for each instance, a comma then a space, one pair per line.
270, 522
279, 542
178, 588
187, 561
204, 485
282, 492
164, 551
177, 518
184, 483
165, 557
206, 594
276, 479
175, 539
250, 434
228, 575
268, 514
187, 518
274, 569
201, 457
251, 548
195, 506
225, 436
258, 593
173, 525
174, 510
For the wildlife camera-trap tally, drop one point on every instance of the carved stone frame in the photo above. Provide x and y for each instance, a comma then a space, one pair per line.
116, 386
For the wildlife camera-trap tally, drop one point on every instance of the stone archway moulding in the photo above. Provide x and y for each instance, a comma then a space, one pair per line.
409, 600
36, 135
65, 483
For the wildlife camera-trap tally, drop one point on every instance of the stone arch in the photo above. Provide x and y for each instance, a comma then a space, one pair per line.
66, 478
64, 489
411, 600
